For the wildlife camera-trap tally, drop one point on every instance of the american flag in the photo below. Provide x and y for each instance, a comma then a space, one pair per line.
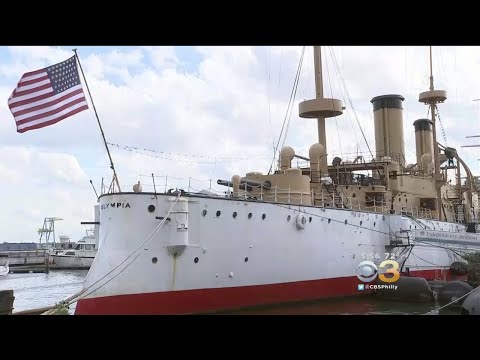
46, 96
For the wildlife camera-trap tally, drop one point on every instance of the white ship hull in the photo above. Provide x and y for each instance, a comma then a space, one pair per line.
229, 262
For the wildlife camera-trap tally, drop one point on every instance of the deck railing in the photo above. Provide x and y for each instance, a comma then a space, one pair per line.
275, 194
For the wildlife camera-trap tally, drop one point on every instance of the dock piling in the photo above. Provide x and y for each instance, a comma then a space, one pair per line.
6, 302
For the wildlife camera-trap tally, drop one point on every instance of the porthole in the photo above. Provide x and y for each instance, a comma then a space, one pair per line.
374, 223
354, 195
288, 218
345, 222
310, 219
154, 260
234, 215
264, 216
195, 260
329, 220
204, 212
249, 215
218, 213
361, 222
246, 259
151, 208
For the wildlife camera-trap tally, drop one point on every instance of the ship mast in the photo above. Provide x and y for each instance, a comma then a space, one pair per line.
317, 58
320, 107
431, 98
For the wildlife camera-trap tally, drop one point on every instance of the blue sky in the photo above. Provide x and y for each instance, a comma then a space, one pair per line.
212, 101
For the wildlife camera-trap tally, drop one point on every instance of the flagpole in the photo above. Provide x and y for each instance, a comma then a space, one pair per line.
98, 120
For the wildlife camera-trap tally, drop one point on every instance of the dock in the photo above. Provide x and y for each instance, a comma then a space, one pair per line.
35, 266
24, 257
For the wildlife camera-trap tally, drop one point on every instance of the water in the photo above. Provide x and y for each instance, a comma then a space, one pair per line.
40, 290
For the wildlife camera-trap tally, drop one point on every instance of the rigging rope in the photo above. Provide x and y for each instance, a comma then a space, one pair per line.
354, 112
441, 125
451, 302
290, 102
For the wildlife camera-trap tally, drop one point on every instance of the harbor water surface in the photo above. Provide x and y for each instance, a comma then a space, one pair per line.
40, 290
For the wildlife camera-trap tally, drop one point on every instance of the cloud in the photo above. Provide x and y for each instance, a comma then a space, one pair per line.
210, 113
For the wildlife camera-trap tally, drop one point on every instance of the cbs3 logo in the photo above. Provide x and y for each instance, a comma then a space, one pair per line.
367, 271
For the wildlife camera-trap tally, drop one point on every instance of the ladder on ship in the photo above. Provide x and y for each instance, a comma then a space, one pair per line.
336, 197
459, 213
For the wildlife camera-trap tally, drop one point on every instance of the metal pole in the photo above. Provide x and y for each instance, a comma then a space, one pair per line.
317, 53
98, 120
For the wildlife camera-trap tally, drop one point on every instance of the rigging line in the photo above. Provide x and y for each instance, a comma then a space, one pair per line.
267, 77
157, 228
426, 243
291, 108
130, 148
451, 302
307, 75
286, 114
358, 122
278, 96
338, 221
331, 95
428, 262
345, 101
224, 161
441, 125
406, 257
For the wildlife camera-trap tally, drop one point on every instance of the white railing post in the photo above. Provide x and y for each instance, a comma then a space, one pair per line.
166, 182
276, 187
289, 193
189, 181
374, 206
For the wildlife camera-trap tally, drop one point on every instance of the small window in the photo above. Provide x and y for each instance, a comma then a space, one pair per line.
88, 247
204, 213
234, 215
249, 215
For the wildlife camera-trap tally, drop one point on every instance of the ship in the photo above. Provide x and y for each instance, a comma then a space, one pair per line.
74, 255
298, 233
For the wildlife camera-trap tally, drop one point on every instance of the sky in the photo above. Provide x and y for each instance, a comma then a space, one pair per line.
209, 113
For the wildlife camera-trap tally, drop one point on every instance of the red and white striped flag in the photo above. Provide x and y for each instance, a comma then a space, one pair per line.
46, 96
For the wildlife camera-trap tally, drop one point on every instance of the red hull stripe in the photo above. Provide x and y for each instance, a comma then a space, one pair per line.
205, 300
